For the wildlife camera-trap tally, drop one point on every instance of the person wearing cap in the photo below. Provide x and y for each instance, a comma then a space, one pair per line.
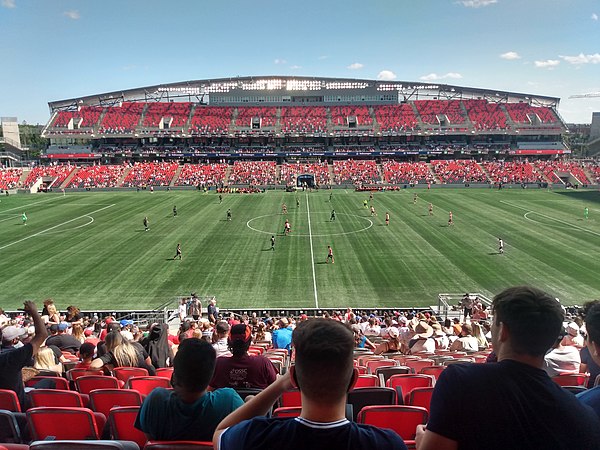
188, 411
282, 337
391, 344
220, 336
441, 339
63, 340
324, 374
242, 370
466, 341
512, 404
422, 342
12, 360
573, 337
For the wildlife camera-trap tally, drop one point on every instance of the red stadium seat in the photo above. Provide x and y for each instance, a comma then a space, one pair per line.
56, 397
287, 411
125, 373
572, 379
145, 385
165, 372
103, 400
83, 445
121, 420
420, 396
178, 445
9, 400
46, 422
402, 419
61, 383
87, 383
366, 381
403, 384
291, 398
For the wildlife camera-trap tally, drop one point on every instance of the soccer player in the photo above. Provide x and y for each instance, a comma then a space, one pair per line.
297, 203
370, 196
287, 227
273, 243
373, 213
332, 218
431, 209
146, 224
387, 218
365, 203
330, 196
500, 246
220, 199
586, 213
450, 219
329, 255
284, 208
229, 215
415, 197
24, 218
174, 211
177, 252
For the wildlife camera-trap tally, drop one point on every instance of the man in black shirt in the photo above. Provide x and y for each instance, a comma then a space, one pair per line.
63, 340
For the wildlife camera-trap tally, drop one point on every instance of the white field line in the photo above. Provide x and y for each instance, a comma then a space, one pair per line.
55, 226
312, 255
551, 218
24, 207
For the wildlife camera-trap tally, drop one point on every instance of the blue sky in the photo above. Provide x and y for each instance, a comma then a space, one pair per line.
58, 49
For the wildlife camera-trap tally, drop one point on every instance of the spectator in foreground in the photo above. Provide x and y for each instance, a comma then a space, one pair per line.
591, 397
528, 409
324, 374
12, 361
242, 370
188, 412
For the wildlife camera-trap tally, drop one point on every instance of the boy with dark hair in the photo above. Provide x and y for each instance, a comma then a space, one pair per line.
529, 410
188, 412
242, 370
324, 374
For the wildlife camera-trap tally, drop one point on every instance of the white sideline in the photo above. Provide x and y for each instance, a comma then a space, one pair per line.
25, 206
55, 226
312, 255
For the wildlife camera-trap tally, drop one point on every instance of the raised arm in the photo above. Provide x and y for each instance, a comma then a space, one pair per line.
40, 328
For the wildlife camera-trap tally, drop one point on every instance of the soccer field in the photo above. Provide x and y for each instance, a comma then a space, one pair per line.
91, 250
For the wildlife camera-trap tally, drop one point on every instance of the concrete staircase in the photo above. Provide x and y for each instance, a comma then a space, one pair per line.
69, 178
176, 176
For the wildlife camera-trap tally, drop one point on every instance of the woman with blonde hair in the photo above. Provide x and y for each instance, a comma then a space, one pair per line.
45, 360
53, 316
122, 353
480, 336
77, 332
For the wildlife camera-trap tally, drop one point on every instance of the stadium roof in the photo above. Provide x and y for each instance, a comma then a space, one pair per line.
201, 90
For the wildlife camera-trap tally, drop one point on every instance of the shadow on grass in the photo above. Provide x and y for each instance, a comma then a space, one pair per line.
584, 195
321, 262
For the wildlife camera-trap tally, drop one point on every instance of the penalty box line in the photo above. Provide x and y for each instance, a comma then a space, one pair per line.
55, 226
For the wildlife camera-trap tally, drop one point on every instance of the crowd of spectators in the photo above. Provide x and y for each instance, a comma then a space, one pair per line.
150, 174
512, 172
395, 172
60, 171
202, 175
253, 172
216, 359
320, 170
9, 178
97, 176
459, 171
356, 172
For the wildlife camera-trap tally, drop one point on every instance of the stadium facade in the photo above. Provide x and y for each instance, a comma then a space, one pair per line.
283, 116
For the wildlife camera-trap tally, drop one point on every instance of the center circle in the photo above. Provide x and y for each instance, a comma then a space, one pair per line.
369, 224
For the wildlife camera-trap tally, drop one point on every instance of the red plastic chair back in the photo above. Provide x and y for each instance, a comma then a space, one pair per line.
571, 379
73, 374
402, 419
121, 420
87, 383
63, 423
145, 385
9, 400
178, 445
420, 397
289, 411
434, 371
367, 381
291, 398
418, 364
373, 364
56, 397
165, 372
103, 400
61, 383
125, 373
403, 384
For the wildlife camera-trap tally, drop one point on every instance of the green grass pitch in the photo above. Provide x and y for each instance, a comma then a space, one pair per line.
91, 250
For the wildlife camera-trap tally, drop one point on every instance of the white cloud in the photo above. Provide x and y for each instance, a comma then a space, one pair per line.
595, 16
73, 15
510, 55
548, 64
355, 66
280, 61
8, 4
435, 76
476, 3
295, 67
583, 59
386, 75
322, 57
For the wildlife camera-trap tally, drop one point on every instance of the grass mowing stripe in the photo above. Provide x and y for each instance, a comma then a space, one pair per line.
55, 226
312, 254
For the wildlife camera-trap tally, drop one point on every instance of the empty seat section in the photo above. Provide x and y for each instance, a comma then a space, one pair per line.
211, 119
303, 119
122, 119
396, 117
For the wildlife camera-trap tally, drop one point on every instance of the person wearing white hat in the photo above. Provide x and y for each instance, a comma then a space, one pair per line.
573, 337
